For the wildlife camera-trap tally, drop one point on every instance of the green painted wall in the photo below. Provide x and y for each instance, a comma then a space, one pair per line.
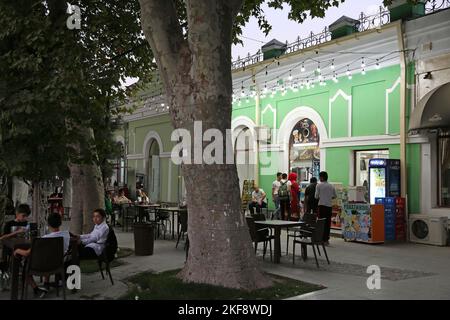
368, 118
339, 114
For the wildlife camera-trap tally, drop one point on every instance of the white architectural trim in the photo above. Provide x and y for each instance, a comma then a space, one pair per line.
349, 107
165, 154
146, 146
290, 120
274, 112
369, 140
169, 185
239, 123
136, 156
388, 92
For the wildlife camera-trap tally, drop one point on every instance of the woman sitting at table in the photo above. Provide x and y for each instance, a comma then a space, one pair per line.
121, 198
142, 196
91, 245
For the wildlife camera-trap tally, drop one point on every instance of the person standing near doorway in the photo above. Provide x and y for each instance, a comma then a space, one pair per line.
325, 192
311, 202
295, 189
275, 187
283, 196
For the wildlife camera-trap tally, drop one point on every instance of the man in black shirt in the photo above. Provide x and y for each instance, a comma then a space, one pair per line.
311, 202
21, 220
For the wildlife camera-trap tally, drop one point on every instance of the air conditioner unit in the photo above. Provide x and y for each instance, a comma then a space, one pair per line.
428, 229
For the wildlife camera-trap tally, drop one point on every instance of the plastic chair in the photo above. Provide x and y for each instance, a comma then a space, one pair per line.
46, 259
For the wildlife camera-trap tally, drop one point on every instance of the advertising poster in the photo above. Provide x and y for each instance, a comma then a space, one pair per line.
247, 190
337, 205
356, 222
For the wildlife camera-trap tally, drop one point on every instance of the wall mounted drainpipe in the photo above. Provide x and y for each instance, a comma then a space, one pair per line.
257, 123
403, 166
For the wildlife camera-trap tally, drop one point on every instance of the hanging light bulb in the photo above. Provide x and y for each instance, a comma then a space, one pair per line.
363, 64
332, 65
320, 77
265, 87
335, 79
318, 67
307, 84
377, 65
348, 73
303, 67
239, 101
274, 92
363, 71
266, 70
295, 87
290, 76
162, 105
302, 85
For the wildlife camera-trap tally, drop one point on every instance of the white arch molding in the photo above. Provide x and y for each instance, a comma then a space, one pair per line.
240, 123
151, 135
288, 123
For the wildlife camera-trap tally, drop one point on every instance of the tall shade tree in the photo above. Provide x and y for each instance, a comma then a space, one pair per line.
191, 41
58, 87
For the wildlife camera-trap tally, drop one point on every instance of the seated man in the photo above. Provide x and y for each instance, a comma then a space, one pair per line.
259, 200
21, 220
91, 245
54, 223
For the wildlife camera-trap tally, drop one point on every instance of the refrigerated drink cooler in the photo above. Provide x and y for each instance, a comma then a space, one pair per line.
384, 178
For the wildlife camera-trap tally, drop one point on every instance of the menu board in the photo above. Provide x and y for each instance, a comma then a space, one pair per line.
247, 190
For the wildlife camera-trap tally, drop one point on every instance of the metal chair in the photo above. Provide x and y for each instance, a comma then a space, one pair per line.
260, 235
46, 259
183, 222
128, 215
296, 232
314, 239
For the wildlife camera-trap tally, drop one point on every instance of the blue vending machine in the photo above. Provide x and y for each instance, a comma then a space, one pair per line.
384, 178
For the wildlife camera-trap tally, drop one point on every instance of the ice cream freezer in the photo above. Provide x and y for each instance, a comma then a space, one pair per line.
363, 222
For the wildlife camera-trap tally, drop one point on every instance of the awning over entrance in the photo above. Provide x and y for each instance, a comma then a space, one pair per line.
433, 110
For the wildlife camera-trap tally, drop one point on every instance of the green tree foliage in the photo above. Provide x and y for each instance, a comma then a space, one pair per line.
54, 81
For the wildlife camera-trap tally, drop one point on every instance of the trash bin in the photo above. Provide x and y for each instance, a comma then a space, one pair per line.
144, 236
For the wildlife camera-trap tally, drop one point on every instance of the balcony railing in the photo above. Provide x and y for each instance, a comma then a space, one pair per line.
366, 22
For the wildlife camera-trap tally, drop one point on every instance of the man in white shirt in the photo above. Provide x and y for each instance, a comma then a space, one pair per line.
275, 186
259, 200
325, 192
92, 244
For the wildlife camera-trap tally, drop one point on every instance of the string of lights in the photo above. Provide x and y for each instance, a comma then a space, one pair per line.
308, 80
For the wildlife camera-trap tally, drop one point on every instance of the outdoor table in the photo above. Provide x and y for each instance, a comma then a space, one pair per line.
277, 225
142, 207
173, 210
21, 243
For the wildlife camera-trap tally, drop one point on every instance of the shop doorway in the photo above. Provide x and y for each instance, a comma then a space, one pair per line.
361, 165
304, 151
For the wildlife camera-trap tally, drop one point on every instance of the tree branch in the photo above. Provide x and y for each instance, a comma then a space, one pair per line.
163, 31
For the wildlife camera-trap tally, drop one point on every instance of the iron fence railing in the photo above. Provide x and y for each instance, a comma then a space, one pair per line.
365, 22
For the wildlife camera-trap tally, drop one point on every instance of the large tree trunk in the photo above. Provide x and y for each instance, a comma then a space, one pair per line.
87, 194
197, 77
